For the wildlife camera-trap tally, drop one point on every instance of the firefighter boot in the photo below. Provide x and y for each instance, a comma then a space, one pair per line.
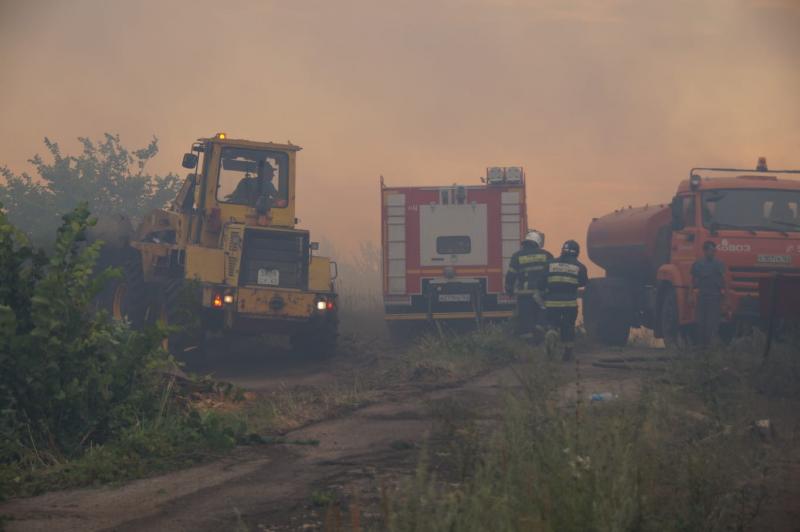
567, 352
551, 343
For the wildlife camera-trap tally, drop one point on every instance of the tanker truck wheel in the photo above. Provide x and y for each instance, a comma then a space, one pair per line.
676, 336
601, 319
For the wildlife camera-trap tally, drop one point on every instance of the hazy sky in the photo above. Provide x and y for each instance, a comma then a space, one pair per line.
604, 102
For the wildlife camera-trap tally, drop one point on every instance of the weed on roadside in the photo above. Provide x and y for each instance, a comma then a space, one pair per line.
455, 356
681, 455
152, 448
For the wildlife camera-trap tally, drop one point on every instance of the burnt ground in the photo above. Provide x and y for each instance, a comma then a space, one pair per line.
343, 483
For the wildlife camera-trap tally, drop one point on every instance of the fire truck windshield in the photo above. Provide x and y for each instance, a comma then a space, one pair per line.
752, 209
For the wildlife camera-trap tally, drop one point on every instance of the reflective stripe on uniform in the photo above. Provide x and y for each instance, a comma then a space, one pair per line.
561, 304
538, 257
562, 279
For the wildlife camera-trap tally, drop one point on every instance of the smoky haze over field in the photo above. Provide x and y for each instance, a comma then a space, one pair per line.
605, 102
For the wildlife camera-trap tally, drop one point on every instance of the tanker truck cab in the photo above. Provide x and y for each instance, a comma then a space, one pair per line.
647, 253
754, 220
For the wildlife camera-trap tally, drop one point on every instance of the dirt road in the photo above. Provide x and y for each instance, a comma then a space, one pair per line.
289, 487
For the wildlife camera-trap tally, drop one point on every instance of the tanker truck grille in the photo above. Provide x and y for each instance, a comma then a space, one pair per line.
275, 259
744, 280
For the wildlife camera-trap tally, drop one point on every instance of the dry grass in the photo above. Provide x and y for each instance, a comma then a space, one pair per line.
290, 408
685, 454
433, 360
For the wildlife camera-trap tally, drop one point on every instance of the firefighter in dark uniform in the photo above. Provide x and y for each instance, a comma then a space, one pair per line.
560, 284
708, 280
525, 270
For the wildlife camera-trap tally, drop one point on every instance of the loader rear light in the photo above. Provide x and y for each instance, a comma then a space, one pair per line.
325, 304
216, 301
221, 136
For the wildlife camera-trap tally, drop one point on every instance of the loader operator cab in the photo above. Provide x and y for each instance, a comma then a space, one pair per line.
247, 177
240, 180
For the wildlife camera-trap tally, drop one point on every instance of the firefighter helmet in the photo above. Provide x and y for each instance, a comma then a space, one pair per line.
571, 248
537, 237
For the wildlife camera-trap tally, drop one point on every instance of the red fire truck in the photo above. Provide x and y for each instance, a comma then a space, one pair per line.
446, 248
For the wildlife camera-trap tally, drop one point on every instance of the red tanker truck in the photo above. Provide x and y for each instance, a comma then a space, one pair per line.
647, 253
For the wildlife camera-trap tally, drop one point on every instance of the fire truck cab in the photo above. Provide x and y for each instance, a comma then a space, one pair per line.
446, 248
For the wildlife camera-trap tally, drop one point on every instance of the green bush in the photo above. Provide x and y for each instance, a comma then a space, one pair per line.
85, 399
106, 175
70, 378
153, 446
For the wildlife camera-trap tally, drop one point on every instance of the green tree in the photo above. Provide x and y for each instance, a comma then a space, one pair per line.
110, 178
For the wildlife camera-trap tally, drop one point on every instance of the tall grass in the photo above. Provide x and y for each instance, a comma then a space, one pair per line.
682, 455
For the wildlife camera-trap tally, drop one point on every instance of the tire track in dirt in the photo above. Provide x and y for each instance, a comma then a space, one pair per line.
271, 486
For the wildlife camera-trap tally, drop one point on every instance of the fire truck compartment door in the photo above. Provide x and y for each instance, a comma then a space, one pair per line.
453, 235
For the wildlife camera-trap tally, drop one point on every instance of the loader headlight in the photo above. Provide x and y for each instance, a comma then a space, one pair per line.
228, 299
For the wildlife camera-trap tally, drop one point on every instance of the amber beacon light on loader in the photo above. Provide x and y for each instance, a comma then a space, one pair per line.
230, 235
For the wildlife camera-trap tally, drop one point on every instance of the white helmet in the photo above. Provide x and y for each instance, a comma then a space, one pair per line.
536, 237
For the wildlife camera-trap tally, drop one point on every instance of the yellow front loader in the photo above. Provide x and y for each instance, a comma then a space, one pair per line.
231, 233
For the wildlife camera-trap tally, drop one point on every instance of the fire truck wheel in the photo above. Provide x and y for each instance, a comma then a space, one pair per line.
318, 338
676, 336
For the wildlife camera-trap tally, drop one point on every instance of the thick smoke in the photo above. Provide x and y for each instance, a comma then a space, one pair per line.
605, 102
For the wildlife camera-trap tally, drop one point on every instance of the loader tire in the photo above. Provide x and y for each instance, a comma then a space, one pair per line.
176, 306
124, 297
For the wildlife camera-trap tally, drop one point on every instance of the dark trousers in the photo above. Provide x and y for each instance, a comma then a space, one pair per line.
529, 314
709, 309
563, 319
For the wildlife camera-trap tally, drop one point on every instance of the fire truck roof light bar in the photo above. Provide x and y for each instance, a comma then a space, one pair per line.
746, 170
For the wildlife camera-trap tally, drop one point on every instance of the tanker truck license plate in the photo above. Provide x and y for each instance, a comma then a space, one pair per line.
454, 298
269, 277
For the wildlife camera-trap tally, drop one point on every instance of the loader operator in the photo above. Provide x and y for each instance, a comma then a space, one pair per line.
258, 191
560, 284
708, 279
525, 270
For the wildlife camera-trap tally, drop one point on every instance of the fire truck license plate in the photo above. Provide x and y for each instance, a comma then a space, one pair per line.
269, 277
775, 259
454, 298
